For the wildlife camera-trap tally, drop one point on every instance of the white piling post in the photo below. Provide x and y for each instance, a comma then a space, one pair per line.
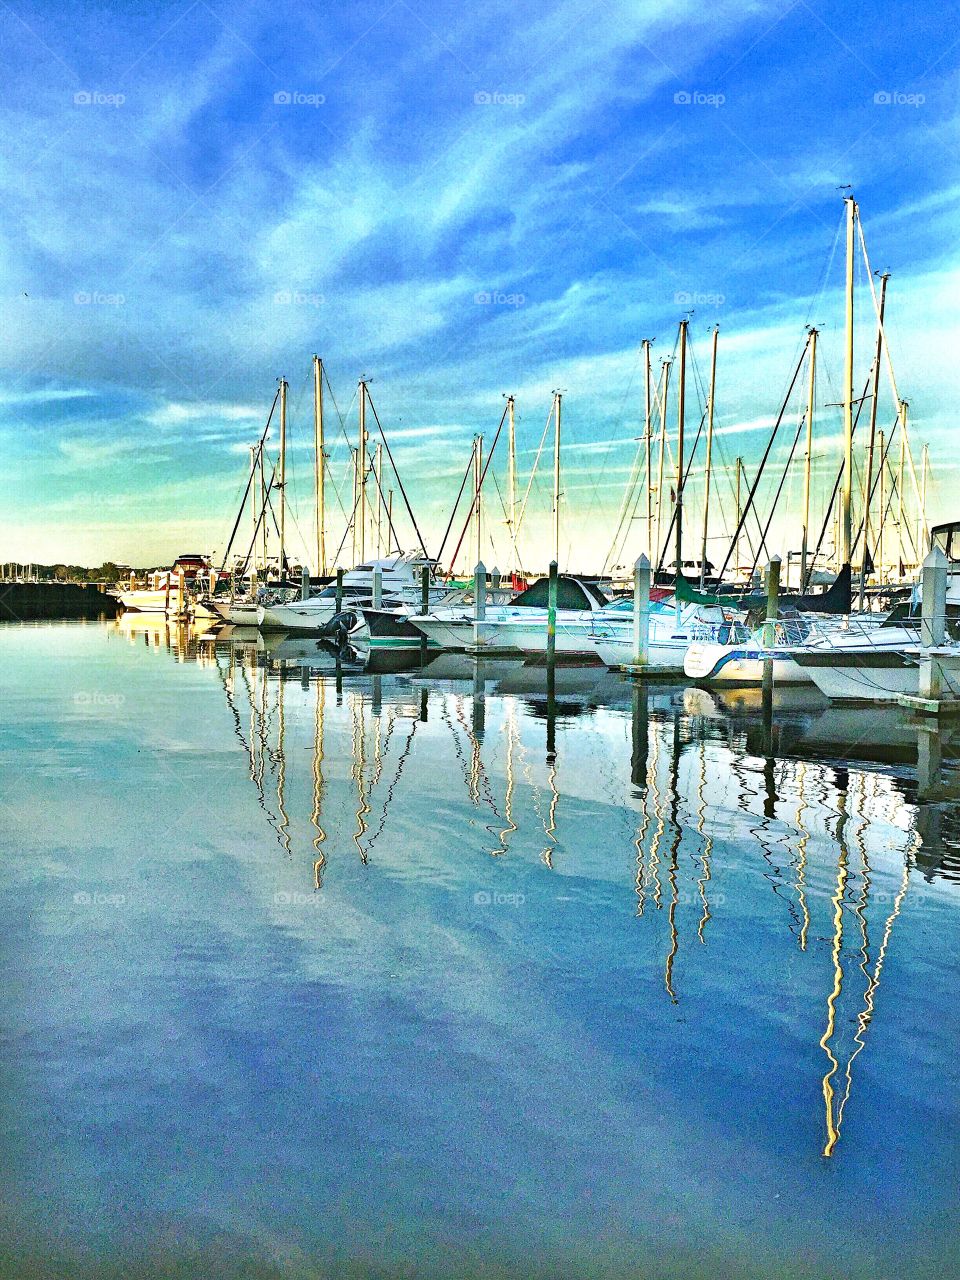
480, 592
304, 583
933, 620
377, 587
933, 613
641, 611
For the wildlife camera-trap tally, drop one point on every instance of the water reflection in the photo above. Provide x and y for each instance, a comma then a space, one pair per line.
798, 832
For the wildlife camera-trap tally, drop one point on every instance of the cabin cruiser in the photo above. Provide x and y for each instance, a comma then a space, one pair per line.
400, 579
520, 625
673, 627
739, 656
159, 594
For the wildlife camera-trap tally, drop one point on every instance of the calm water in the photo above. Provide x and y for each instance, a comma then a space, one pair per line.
430, 974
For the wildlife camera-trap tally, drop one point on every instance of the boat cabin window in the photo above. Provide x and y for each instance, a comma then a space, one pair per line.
947, 538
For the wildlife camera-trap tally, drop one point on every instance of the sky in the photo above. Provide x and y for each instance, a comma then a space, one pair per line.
455, 202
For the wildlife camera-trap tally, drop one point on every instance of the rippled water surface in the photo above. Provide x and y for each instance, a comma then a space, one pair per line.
312, 971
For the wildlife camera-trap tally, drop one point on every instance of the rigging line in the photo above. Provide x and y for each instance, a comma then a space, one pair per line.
250, 479
403, 492
386, 508
536, 463
833, 497
483, 476
763, 462
611, 447
628, 498
786, 469
463, 485
340, 416
683, 485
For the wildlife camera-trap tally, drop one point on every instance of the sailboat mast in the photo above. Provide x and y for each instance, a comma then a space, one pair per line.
663, 449
868, 478
847, 517
804, 546
319, 464
921, 521
681, 408
512, 482
262, 517
283, 478
883, 503
556, 476
903, 451
709, 461
477, 518
647, 446
740, 515
362, 474
378, 473
253, 500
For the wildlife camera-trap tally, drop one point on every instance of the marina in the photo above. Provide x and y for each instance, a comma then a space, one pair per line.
586, 974
479, 642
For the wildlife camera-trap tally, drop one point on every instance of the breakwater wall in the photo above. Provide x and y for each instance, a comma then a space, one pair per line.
32, 601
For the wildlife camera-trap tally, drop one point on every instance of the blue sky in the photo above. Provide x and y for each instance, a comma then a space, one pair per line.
174, 238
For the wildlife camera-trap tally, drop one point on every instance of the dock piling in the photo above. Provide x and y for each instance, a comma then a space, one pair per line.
770, 625
552, 613
641, 611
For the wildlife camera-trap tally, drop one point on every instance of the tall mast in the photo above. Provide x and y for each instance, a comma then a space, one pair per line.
556, 476
319, 464
283, 478
378, 473
868, 478
477, 518
740, 515
709, 462
512, 481
263, 515
663, 449
362, 474
253, 500
647, 446
356, 499
903, 450
681, 407
921, 522
883, 502
804, 546
847, 518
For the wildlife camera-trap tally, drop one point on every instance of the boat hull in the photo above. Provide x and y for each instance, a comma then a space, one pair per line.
865, 675
739, 664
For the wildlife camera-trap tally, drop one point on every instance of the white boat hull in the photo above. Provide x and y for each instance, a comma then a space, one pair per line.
739, 664
868, 675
